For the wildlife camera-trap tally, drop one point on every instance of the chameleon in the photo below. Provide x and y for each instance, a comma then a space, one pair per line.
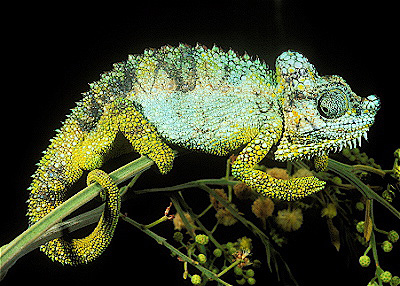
201, 99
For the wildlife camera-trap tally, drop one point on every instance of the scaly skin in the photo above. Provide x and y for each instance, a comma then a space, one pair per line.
200, 99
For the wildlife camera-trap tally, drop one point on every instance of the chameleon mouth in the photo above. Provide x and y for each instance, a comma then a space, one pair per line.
351, 142
303, 150
350, 137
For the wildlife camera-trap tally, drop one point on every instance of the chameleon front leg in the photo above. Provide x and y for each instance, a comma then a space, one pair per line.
253, 153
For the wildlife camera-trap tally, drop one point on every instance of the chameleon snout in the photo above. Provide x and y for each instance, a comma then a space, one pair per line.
372, 103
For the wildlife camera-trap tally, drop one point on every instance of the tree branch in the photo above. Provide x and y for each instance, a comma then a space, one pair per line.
33, 236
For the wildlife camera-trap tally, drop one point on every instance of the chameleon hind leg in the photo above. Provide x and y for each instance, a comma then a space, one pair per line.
88, 154
253, 153
143, 136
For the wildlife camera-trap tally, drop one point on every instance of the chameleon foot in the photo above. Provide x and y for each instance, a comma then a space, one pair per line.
288, 190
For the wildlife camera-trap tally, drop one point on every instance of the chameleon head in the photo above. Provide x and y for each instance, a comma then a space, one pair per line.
321, 113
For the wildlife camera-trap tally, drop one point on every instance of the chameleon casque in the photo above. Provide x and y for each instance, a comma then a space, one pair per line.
200, 99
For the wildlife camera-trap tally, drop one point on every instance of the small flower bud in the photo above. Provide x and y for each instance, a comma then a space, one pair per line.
365, 261
250, 273
238, 270
386, 276
387, 246
225, 217
178, 236
202, 258
217, 252
242, 191
393, 236
263, 207
360, 206
330, 211
201, 239
290, 220
196, 279
360, 226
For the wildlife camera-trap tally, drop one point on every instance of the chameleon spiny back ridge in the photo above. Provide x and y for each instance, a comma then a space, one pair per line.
199, 99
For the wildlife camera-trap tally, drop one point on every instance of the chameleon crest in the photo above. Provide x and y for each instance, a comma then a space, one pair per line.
199, 99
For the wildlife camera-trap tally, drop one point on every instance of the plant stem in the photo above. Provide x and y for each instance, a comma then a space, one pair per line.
227, 173
367, 168
124, 189
380, 230
373, 246
160, 220
188, 185
205, 211
269, 249
368, 249
215, 227
229, 267
181, 201
190, 228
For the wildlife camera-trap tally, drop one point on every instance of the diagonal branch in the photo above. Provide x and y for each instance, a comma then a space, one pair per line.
26, 241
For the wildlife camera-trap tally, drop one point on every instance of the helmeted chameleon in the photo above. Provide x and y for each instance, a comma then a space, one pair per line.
199, 99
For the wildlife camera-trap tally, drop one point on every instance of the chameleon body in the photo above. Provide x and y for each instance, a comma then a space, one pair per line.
200, 99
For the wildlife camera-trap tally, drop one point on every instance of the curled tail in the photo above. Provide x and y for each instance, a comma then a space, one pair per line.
57, 171
88, 248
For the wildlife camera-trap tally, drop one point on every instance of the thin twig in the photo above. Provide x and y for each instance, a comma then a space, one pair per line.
270, 250
346, 172
209, 274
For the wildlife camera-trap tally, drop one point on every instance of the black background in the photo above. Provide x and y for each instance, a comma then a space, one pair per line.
50, 53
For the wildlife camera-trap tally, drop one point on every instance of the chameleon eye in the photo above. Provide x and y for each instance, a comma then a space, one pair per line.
332, 104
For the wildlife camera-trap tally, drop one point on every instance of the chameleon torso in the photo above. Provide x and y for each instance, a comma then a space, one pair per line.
192, 97
207, 119
204, 99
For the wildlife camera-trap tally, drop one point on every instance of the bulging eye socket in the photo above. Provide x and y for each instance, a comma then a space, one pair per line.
333, 104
